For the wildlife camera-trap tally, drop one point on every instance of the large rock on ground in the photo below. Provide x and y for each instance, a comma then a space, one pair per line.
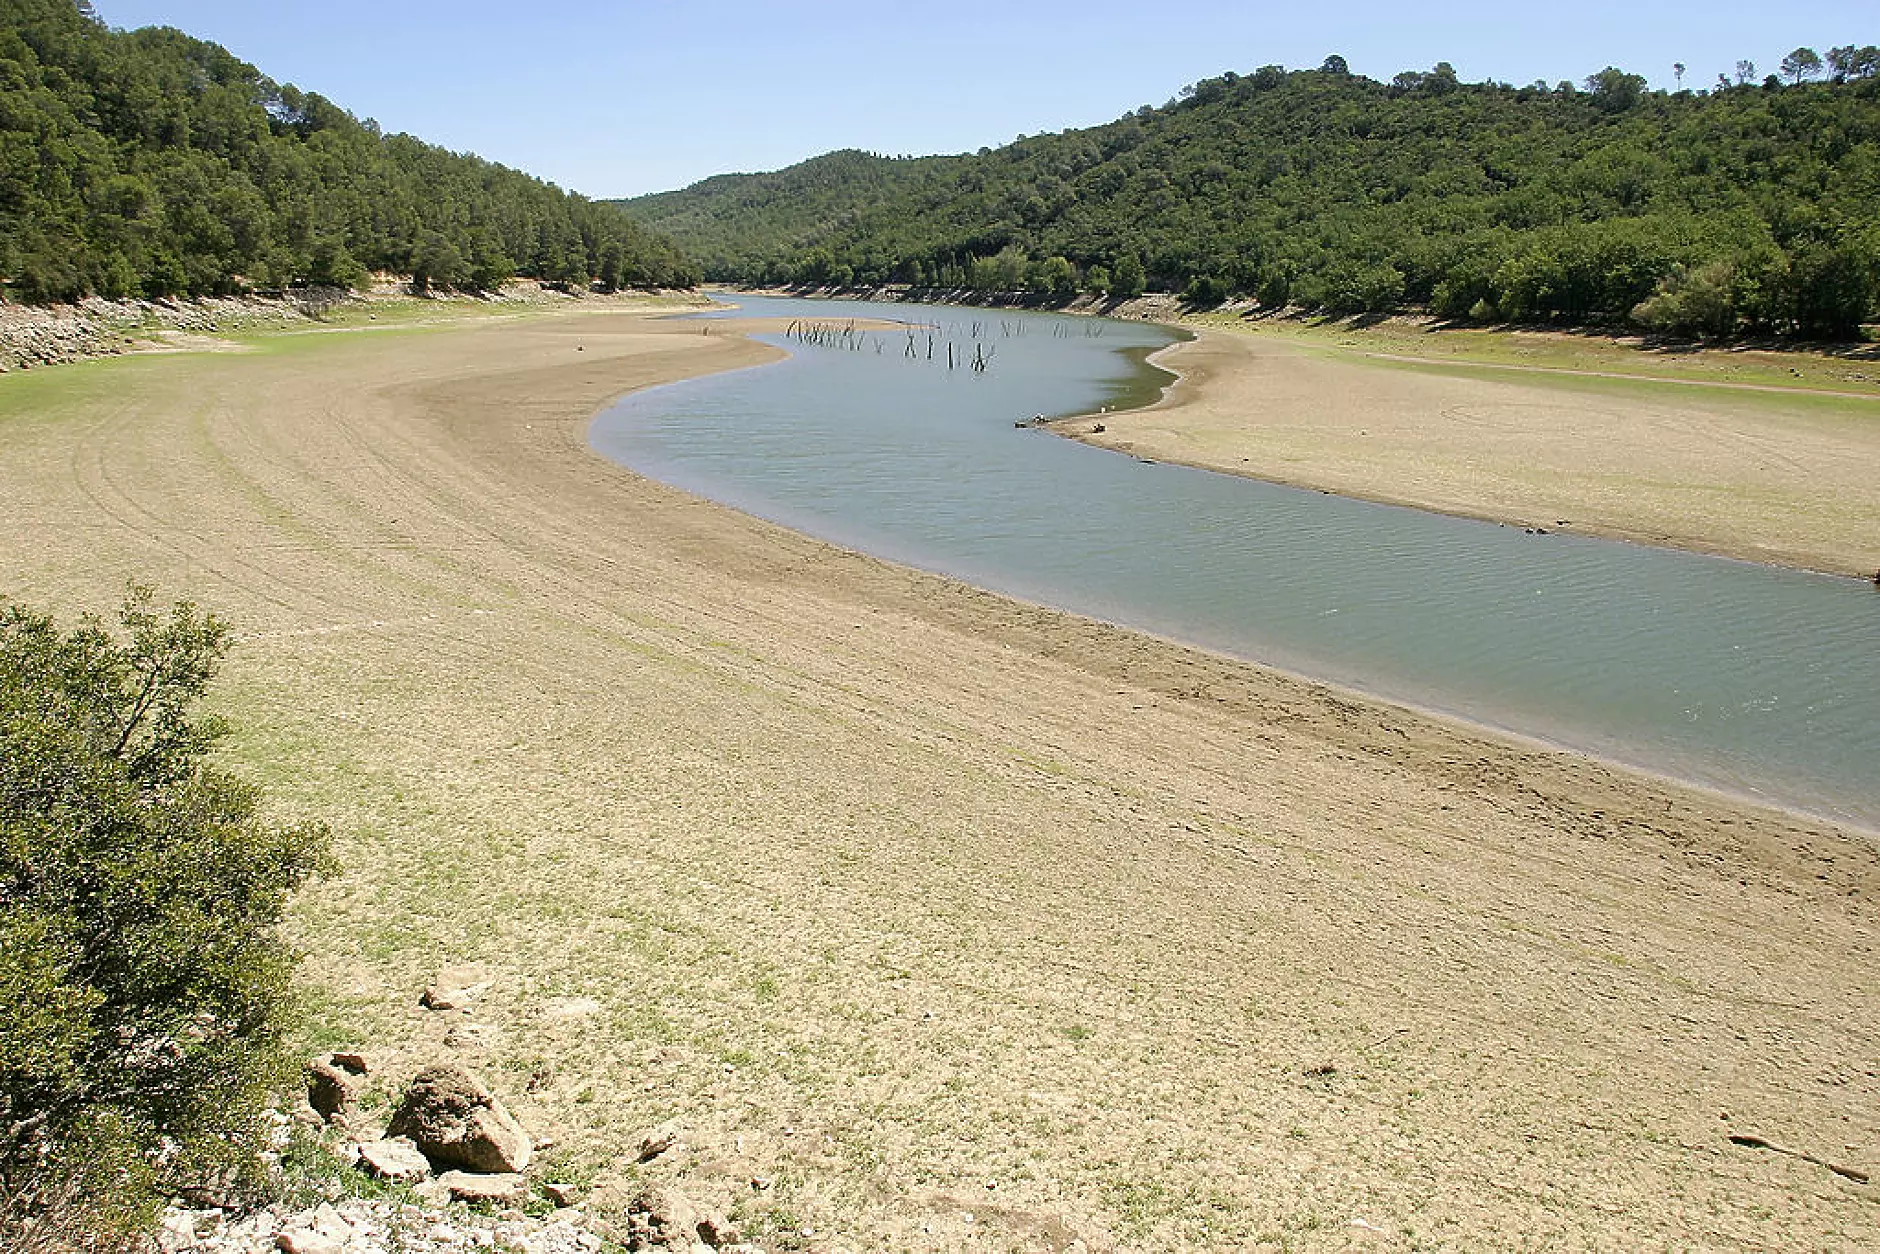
455, 1121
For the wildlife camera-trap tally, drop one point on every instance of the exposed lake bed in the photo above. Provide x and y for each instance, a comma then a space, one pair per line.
889, 887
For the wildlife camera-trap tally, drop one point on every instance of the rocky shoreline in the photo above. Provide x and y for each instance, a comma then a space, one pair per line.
49, 335
33, 336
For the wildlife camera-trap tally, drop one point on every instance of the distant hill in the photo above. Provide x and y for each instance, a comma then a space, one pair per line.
741, 224
1750, 205
148, 163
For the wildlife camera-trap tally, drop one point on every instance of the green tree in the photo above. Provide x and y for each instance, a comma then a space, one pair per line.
1849, 61
1128, 279
143, 981
1009, 266
330, 265
437, 263
1800, 64
149, 161
1205, 290
1615, 91
1832, 290
1058, 275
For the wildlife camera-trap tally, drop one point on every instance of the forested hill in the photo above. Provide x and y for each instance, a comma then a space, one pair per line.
1748, 205
150, 163
757, 226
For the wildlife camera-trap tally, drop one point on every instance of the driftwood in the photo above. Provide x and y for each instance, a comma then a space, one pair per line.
1756, 1142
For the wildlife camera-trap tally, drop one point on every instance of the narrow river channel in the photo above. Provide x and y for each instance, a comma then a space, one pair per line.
1755, 680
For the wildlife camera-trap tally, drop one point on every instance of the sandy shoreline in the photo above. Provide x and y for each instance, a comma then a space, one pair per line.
1743, 471
919, 903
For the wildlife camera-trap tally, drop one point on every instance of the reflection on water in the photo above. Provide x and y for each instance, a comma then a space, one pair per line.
1750, 678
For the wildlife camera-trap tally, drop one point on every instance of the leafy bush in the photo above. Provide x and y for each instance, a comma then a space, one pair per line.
143, 980
1700, 301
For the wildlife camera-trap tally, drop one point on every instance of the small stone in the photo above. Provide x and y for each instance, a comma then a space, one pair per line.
395, 1158
333, 1086
177, 1231
499, 1187
454, 989
469, 1036
307, 1241
715, 1230
575, 1008
561, 1194
657, 1142
661, 1217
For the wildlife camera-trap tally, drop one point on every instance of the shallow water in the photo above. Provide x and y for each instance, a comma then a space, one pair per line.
1753, 679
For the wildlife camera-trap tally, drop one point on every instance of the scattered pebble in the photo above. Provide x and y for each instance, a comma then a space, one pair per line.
360, 1226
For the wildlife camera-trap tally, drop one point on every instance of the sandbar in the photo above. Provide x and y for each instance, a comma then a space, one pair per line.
1778, 476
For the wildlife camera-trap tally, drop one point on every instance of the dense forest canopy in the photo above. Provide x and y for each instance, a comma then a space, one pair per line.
1752, 204
150, 163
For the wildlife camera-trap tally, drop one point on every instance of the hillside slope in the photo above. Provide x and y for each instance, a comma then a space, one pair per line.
1743, 206
147, 163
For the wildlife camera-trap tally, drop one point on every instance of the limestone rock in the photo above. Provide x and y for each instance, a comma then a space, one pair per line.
454, 989
322, 1232
307, 1241
455, 1121
504, 1189
716, 1231
216, 1190
396, 1158
176, 1232
471, 1036
661, 1217
659, 1141
334, 1082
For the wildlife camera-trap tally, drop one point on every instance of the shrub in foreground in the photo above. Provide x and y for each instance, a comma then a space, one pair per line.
143, 980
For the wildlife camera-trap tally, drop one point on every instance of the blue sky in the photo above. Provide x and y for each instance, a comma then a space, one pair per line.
619, 99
